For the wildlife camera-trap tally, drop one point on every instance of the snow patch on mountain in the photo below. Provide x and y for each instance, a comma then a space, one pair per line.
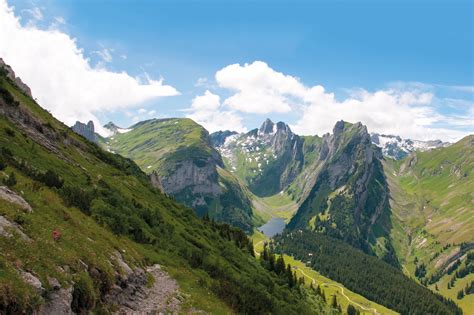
397, 148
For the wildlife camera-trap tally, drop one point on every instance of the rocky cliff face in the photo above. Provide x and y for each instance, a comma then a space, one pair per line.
11, 75
349, 193
85, 130
268, 158
218, 138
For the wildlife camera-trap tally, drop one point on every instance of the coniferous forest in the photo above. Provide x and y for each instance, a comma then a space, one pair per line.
363, 274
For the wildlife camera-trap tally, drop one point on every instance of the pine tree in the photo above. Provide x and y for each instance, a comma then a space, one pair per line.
250, 248
334, 301
271, 258
289, 276
351, 310
318, 291
265, 252
280, 265
301, 281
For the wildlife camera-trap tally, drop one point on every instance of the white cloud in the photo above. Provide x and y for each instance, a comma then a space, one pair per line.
207, 110
63, 79
406, 109
35, 15
141, 110
151, 112
105, 54
201, 82
259, 89
389, 111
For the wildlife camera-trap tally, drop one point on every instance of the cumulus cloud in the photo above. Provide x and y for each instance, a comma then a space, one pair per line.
63, 79
389, 111
259, 89
406, 109
208, 111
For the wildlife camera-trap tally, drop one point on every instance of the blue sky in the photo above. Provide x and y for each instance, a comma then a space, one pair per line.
414, 58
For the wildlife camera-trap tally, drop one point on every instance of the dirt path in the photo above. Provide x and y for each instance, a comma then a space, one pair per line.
162, 296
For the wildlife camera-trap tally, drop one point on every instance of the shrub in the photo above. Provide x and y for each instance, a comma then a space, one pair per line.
11, 180
10, 132
84, 296
51, 179
77, 197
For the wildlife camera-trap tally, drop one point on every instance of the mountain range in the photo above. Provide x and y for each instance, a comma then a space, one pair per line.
87, 221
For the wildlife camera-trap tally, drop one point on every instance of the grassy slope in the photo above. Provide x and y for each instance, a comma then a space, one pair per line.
432, 199
154, 144
329, 286
279, 206
157, 145
178, 237
465, 303
432, 208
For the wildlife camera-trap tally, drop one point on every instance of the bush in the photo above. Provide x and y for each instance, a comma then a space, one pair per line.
84, 296
10, 132
77, 197
2, 164
11, 180
51, 179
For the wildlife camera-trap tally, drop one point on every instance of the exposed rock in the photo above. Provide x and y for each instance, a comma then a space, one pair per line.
11, 75
122, 264
397, 148
7, 227
54, 283
198, 178
135, 295
87, 131
218, 138
33, 281
277, 151
267, 127
156, 181
58, 302
10, 196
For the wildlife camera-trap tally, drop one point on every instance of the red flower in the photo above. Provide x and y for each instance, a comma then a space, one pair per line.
56, 235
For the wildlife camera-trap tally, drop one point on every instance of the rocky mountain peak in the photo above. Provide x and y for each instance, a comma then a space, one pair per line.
338, 128
218, 138
397, 148
12, 76
267, 127
114, 129
85, 130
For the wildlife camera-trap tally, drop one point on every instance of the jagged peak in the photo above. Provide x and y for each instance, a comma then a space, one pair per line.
267, 126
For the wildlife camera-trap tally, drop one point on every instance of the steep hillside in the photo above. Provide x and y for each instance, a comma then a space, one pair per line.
181, 161
267, 159
433, 207
363, 274
349, 198
83, 230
